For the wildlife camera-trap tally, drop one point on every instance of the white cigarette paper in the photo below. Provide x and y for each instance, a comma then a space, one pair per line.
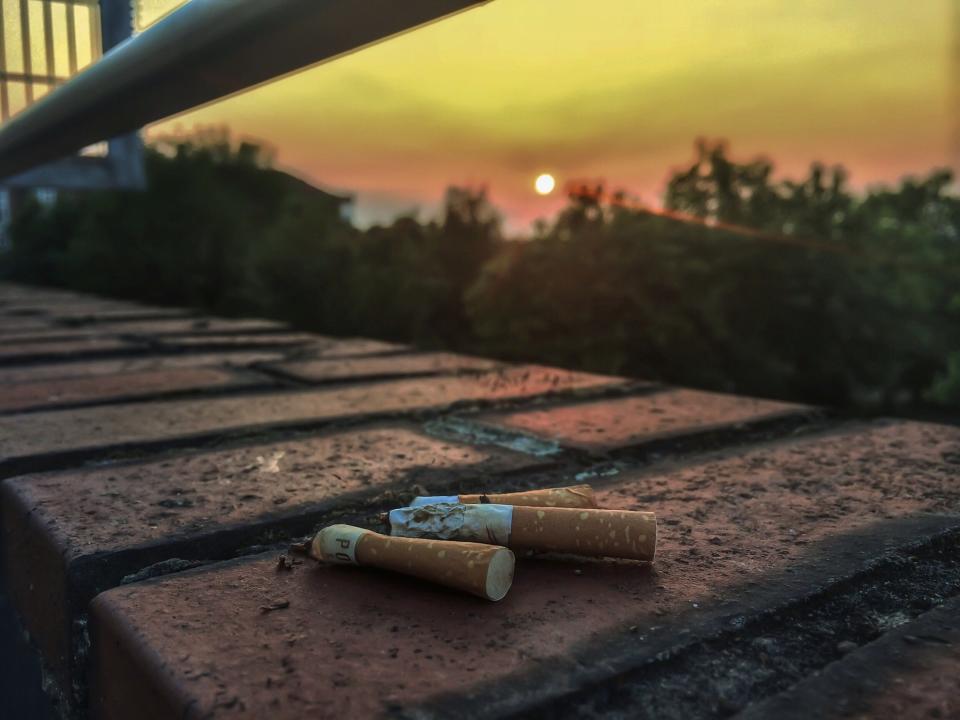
591, 532
572, 496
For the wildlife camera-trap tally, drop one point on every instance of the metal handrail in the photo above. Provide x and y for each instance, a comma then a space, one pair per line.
204, 51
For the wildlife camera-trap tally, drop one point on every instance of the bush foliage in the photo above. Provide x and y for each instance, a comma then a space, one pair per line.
803, 290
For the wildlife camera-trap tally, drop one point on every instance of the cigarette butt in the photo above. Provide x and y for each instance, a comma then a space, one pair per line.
596, 533
592, 532
478, 569
576, 496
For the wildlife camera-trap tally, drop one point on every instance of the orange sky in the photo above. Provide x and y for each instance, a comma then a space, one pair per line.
614, 90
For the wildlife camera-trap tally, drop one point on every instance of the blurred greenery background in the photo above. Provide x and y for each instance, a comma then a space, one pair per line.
797, 289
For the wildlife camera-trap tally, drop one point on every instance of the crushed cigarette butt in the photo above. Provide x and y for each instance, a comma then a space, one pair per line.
573, 496
591, 532
479, 569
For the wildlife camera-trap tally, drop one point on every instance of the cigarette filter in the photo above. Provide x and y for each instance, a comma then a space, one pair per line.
474, 568
577, 496
592, 532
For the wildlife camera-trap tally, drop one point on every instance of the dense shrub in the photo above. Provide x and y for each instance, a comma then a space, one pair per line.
802, 290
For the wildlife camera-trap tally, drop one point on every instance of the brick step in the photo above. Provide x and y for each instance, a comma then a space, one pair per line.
744, 535
96, 368
69, 535
18, 353
50, 439
144, 329
619, 426
123, 387
140, 538
209, 342
331, 368
14, 327
83, 388
911, 672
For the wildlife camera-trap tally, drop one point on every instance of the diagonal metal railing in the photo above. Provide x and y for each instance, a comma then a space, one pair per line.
204, 51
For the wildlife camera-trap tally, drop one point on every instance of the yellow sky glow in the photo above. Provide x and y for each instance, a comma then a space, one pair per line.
615, 91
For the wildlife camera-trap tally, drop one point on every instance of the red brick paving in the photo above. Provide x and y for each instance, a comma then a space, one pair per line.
11, 327
354, 642
130, 385
356, 347
214, 339
199, 325
48, 334
179, 331
24, 351
109, 312
85, 369
69, 430
96, 510
70, 309
742, 530
325, 370
910, 673
52, 521
610, 424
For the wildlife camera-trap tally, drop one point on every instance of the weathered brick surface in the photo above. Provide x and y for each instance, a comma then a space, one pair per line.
740, 533
124, 506
610, 424
78, 430
911, 672
70, 534
346, 368
218, 340
181, 332
190, 326
84, 309
12, 327
41, 350
48, 333
213, 328
118, 386
135, 364
772, 551
210, 330
355, 347
106, 313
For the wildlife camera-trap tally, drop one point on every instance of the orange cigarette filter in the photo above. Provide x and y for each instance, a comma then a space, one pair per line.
574, 496
581, 531
482, 570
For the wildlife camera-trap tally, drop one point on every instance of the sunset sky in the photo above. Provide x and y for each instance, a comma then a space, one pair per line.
615, 90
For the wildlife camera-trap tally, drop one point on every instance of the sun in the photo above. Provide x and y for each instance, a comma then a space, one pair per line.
544, 184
